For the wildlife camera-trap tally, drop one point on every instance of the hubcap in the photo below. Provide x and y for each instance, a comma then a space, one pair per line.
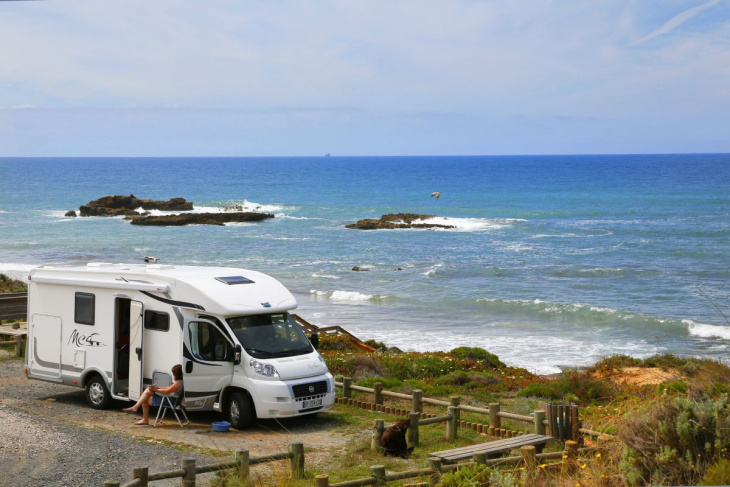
96, 393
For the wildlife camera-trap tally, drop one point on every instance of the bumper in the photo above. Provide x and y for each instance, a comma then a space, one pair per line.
276, 399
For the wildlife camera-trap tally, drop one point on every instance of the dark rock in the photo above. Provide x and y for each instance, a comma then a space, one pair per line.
70, 213
198, 218
396, 220
360, 269
126, 205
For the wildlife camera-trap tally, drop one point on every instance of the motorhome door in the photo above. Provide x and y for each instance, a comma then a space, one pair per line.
136, 333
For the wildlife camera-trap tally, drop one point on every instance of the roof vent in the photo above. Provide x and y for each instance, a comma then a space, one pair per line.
230, 280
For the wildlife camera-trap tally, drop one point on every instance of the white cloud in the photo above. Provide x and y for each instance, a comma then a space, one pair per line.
676, 21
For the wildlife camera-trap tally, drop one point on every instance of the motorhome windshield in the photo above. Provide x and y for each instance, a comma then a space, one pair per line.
270, 336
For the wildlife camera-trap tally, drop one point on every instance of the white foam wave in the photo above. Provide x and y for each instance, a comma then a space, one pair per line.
15, 270
466, 224
707, 331
325, 276
349, 296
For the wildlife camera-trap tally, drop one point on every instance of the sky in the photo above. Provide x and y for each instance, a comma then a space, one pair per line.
90, 78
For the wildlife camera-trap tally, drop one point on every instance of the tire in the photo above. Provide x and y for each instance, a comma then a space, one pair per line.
97, 393
241, 413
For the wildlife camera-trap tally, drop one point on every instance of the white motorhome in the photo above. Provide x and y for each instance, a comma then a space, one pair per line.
115, 328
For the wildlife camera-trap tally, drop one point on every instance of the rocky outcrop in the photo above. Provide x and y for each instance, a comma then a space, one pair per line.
396, 220
126, 205
198, 219
70, 213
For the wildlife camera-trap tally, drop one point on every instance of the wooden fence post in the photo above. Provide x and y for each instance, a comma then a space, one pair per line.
111, 483
494, 420
322, 480
413, 436
378, 393
571, 454
346, 384
417, 401
575, 425
435, 465
18, 346
141, 473
539, 426
529, 476
188, 480
296, 459
456, 401
243, 459
378, 471
378, 428
452, 425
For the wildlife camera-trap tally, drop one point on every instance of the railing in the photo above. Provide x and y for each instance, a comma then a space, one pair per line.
18, 342
13, 306
528, 458
241, 465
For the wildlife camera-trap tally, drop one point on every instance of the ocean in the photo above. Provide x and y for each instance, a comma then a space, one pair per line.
554, 261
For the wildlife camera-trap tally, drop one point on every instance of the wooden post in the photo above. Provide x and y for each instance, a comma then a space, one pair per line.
188, 480
244, 466
18, 346
378, 392
111, 483
346, 384
455, 401
452, 425
413, 437
322, 480
141, 473
539, 426
529, 476
378, 428
575, 425
494, 420
571, 453
296, 460
417, 405
378, 471
480, 458
435, 465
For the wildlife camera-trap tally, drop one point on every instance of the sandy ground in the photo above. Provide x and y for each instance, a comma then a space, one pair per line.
640, 376
38, 403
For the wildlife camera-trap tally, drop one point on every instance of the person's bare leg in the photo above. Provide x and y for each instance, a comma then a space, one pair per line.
143, 399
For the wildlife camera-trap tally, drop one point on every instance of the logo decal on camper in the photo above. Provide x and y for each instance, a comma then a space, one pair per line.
266, 305
85, 340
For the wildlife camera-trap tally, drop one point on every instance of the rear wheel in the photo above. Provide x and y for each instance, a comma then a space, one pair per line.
241, 413
97, 393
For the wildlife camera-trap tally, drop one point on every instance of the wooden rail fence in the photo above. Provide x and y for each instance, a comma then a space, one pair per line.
13, 306
569, 459
240, 465
18, 342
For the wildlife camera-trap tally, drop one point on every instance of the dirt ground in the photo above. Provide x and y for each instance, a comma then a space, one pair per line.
640, 376
44, 401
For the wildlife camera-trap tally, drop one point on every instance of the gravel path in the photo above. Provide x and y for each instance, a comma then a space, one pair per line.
50, 437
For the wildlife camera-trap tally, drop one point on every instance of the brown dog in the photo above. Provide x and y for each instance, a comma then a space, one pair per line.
394, 441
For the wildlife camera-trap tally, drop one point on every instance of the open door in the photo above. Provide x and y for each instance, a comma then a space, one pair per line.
136, 333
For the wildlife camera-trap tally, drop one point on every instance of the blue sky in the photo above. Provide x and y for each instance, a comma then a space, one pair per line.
363, 77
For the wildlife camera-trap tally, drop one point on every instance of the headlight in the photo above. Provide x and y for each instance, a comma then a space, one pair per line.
261, 368
322, 360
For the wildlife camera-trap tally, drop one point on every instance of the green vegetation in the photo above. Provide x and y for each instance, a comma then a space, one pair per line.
8, 285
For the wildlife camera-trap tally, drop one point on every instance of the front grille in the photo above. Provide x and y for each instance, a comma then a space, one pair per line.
302, 391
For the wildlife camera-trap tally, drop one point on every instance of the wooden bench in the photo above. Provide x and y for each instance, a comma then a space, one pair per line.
492, 448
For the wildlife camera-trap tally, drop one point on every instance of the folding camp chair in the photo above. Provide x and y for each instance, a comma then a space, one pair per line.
173, 402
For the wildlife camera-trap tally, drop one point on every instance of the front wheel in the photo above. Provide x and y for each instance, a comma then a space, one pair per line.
97, 393
241, 413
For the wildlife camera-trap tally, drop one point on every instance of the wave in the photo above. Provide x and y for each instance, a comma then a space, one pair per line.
465, 224
325, 276
15, 270
702, 330
348, 296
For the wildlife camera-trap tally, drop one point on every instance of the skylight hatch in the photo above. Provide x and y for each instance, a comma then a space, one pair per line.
231, 280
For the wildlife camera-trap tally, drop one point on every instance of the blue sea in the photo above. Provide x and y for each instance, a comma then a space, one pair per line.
554, 261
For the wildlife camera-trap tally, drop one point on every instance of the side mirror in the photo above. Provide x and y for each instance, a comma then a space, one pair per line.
237, 355
314, 339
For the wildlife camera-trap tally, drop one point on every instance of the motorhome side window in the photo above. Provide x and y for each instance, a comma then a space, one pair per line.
207, 342
156, 320
84, 309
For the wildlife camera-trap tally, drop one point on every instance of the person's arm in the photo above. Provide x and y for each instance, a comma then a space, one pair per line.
169, 389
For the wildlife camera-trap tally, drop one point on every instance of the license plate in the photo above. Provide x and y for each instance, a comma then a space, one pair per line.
312, 403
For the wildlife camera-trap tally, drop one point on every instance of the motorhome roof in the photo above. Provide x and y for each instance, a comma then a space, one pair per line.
220, 290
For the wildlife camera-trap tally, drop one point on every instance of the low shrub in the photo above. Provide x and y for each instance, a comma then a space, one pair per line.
573, 385
475, 354
473, 475
9, 285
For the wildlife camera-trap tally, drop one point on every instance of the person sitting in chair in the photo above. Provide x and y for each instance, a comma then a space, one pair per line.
145, 400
